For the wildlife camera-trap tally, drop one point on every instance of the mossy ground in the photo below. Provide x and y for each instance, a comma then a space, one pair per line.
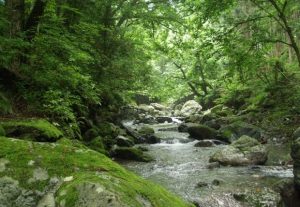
67, 158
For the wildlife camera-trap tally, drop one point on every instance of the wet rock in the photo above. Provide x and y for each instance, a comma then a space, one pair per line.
163, 119
244, 151
213, 165
201, 132
216, 182
233, 131
190, 107
201, 185
174, 129
124, 141
149, 139
239, 196
204, 143
146, 119
130, 153
145, 130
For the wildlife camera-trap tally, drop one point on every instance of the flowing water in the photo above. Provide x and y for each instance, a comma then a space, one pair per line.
182, 168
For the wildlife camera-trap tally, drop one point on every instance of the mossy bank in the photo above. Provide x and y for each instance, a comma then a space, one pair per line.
67, 173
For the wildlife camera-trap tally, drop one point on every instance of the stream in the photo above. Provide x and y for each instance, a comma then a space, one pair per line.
182, 168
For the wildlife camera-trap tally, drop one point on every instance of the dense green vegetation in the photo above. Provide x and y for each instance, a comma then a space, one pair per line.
67, 59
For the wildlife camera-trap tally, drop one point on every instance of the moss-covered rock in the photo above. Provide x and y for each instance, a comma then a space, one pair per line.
244, 151
200, 132
145, 130
131, 153
123, 141
76, 176
32, 129
2, 131
237, 129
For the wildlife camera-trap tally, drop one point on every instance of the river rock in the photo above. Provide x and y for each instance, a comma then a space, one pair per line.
244, 151
190, 107
147, 135
201, 132
130, 153
237, 129
124, 141
213, 165
204, 143
145, 130
163, 119
159, 107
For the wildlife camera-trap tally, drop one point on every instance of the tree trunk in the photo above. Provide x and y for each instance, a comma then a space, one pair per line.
34, 18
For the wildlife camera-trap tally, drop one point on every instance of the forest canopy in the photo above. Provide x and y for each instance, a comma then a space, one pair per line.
65, 59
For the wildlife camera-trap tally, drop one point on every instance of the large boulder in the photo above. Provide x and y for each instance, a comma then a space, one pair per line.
244, 151
76, 176
190, 108
147, 135
237, 129
200, 132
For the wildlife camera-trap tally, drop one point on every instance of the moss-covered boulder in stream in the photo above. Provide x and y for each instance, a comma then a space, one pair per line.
131, 153
31, 129
244, 151
71, 175
237, 129
198, 131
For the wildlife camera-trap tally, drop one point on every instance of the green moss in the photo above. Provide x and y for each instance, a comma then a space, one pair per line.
31, 129
64, 159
